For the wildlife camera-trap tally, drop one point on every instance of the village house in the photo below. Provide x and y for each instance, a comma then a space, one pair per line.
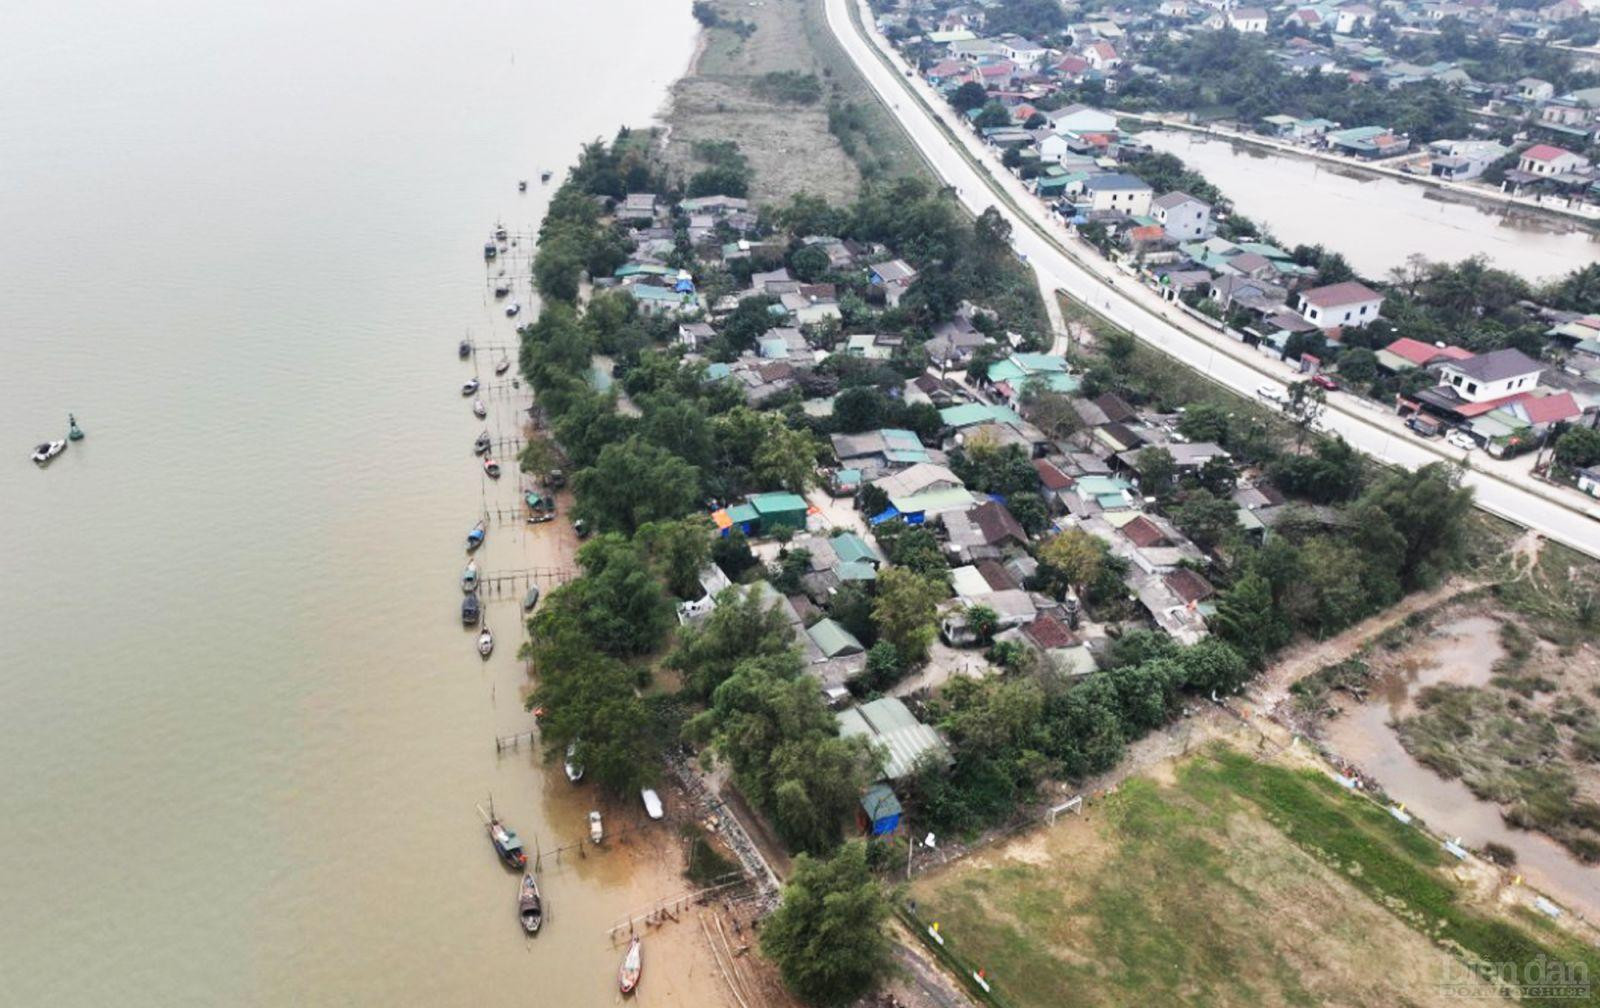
893, 277
1128, 194
1183, 217
1490, 376
1342, 304
1549, 160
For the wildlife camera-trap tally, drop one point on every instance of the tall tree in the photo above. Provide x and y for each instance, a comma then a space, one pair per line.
1076, 556
906, 611
745, 624
827, 936
1248, 619
634, 483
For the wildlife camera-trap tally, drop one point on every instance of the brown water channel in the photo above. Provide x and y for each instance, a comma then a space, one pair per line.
1461, 652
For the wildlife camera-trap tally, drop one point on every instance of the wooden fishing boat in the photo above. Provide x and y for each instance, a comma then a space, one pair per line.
573, 768
464, 350
503, 366
485, 644
483, 444
479, 410
475, 535
74, 433
529, 906
491, 468
471, 611
632, 967
597, 830
506, 845
531, 599
469, 577
522, 185
469, 386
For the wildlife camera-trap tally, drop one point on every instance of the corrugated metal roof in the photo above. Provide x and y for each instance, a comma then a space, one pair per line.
905, 740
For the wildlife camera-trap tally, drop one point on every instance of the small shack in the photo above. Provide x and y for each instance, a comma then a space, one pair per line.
880, 810
776, 511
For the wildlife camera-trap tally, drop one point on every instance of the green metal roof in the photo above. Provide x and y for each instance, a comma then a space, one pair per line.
741, 513
933, 500
888, 723
777, 503
848, 546
968, 414
834, 639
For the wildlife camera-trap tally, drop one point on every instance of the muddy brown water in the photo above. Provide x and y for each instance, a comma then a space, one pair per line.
1462, 653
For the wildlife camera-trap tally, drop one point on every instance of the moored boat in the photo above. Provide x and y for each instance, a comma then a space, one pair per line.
502, 367
479, 410
652, 803
506, 845
632, 967
74, 433
464, 350
501, 289
500, 234
597, 830
469, 577
489, 251
475, 535
485, 643
471, 611
513, 309
574, 769
482, 445
522, 185
529, 907
469, 386
42, 454
492, 468
531, 599
544, 176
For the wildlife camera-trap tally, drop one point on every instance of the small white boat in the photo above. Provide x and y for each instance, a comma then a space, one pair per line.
502, 367
491, 468
513, 309
469, 387
469, 577
632, 967
597, 832
573, 768
652, 803
42, 454
479, 410
486, 643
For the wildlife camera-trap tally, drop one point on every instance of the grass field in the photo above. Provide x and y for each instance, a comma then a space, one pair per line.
1229, 882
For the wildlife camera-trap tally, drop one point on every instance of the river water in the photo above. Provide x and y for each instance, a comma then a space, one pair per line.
244, 731
1377, 222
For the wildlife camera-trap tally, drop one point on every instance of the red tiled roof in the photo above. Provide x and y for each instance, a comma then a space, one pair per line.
1050, 476
1420, 353
1072, 64
1144, 533
996, 523
998, 577
1544, 152
1550, 408
1188, 585
1147, 232
1049, 632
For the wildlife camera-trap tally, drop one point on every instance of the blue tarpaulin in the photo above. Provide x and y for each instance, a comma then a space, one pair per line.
879, 519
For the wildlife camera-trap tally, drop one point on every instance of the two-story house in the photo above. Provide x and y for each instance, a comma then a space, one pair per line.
1490, 376
1342, 304
1116, 191
1182, 216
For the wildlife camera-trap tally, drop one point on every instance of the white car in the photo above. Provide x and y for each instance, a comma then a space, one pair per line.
1272, 394
1461, 439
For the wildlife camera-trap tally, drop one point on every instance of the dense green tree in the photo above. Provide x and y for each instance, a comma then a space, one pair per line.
970, 95
1578, 448
884, 667
1426, 510
1248, 619
827, 936
634, 483
1075, 556
1030, 511
859, 409
1331, 473
1212, 666
618, 601
746, 623
1206, 518
679, 551
809, 263
906, 610
1205, 422
1157, 471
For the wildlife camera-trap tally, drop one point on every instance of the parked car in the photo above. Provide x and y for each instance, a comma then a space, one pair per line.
1461, 439
1272, 394
1325, 381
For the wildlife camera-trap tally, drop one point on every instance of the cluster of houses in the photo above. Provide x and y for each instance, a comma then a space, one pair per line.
1026, 77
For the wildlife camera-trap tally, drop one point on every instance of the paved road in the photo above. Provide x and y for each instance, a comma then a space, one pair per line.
1063, 262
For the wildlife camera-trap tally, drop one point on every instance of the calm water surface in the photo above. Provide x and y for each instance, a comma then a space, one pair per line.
1377, 222
243, 731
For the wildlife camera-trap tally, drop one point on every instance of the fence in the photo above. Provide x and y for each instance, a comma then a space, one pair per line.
980, 986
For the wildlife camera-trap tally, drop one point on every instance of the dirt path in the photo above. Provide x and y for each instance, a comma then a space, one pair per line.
1271, 688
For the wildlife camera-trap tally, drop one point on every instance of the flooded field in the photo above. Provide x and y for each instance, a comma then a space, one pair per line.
1462, 652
